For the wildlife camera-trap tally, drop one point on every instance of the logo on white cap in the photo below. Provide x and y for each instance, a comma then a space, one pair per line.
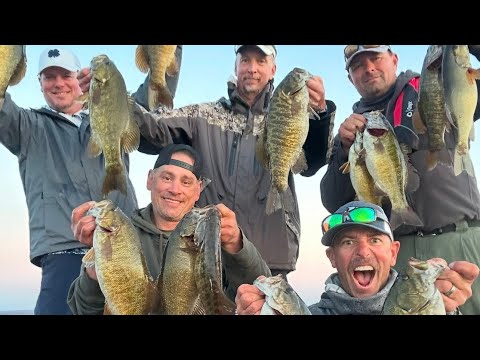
266, 49
58, 57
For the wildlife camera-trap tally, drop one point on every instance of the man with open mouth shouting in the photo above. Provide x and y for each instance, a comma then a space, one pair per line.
362, 248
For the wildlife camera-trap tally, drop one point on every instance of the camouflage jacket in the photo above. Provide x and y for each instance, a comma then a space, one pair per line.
86, 298
225, 133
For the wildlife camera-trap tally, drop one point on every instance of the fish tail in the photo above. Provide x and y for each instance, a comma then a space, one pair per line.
115, 179
159, 95
435, 157
404, 216
462, 162
274, 201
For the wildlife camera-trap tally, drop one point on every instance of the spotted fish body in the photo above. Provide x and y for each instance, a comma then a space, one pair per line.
431, 118
414, 291
119, 263
13, 66
279, 148
361, 179
387, 165
114, 129
191, 280
461, 96
158, 60
280, 298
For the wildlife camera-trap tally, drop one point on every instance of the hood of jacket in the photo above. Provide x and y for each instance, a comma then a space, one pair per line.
335, 300
142, 218
238, 105
382, 103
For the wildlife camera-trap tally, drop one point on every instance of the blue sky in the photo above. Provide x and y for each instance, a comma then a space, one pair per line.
204, 73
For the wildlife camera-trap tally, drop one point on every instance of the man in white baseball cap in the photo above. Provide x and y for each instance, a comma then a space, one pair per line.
53, 140
58, 57
266, 49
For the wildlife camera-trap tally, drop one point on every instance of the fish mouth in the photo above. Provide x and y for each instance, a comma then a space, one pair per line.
364, 275
377, 132
104, 229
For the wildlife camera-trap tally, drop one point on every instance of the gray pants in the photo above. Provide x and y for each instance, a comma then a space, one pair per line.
462, 244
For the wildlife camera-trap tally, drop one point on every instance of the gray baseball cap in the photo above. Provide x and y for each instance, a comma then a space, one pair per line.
351, 51
381, 223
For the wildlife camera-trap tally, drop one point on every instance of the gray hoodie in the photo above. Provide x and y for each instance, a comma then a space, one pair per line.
335, 301
86, 298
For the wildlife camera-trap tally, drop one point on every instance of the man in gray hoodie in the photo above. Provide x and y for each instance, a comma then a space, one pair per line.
175, 184
361, 248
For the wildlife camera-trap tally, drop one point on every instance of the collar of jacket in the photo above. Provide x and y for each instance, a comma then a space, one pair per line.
53, 114
402, 80
142, 218
238, 105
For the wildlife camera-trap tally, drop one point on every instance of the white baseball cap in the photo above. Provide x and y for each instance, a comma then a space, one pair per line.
266, 49
58, 57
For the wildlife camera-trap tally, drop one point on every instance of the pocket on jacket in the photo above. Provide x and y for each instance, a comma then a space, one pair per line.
57, 216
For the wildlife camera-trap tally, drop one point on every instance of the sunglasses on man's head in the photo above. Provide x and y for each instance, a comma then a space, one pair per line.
350, 50
357, 215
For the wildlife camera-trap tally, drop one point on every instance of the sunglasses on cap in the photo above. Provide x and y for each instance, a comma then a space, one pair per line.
351, 50
359, 215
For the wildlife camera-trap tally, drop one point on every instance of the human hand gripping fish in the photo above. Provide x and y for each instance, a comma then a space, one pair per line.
455, 284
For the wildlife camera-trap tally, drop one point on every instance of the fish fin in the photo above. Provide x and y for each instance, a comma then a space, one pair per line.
141, 59
404, 216
472, 74
412, 179
462, 162
225, 305
115, 179
107, 310
173, 67
345, 168
377, 190
274, 201
262, 155
19, 72
405, 149
418, 123
159, 95
89, 258
153, 297
93, 149
301, 163
158, 306
198, 308
83, 98
435, 157
131, 136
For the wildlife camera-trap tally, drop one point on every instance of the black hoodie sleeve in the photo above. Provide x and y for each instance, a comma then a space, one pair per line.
336, 188
318, 139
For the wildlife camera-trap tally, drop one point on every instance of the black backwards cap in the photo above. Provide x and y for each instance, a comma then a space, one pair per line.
165, 158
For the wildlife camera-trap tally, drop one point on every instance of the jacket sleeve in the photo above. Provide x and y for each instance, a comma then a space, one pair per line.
85, 296
15, 126
318, 139
163, 126
141, 95
336, 189
243, 267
